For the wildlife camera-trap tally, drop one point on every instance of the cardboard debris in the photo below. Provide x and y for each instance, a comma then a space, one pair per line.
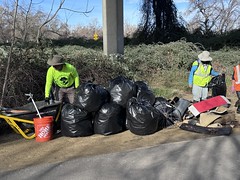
207, 118
219, 110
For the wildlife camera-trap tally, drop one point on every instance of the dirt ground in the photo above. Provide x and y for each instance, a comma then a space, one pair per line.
17, 152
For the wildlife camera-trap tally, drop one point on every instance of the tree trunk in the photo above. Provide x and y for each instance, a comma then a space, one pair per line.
10, 53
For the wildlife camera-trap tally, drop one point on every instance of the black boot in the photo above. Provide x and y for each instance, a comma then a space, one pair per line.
237, 103
238, 109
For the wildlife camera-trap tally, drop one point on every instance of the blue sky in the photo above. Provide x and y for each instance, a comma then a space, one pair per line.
131, 10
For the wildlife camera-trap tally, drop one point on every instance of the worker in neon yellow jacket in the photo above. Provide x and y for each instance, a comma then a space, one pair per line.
63, 78
200, 75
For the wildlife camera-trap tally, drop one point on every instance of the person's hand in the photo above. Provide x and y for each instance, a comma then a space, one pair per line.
47, 100
233, 89
190, 85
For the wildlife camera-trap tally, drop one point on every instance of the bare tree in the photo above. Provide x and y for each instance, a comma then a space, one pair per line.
10, 52
32, 25
48, 19
26, 24
5, 23
52, 15
230, 18
129, 29
26, 21
214, 16
88, 31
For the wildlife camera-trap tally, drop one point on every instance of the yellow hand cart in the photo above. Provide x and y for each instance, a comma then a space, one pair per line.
21, 119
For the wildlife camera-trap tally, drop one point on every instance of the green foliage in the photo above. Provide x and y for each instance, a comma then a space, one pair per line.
153, 58
26, 74
216, 41
93, 65
80, 41
165, 92
165, 67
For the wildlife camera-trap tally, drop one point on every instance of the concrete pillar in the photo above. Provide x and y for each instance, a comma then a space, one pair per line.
113, 38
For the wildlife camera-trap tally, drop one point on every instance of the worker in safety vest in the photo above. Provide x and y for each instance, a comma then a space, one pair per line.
200, 75
62, 78
236, 85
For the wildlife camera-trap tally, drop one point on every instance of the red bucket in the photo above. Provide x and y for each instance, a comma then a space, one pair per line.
43, 128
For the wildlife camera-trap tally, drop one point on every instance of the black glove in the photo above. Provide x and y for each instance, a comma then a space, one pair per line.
47, 100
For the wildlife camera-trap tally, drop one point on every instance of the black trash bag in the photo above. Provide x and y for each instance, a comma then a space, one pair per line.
75, 121
121, 90
166, 108
110, 119
181, 105
144, 93
91, 97
142, 117
218, 85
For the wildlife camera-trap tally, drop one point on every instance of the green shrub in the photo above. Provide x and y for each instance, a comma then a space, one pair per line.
165, 67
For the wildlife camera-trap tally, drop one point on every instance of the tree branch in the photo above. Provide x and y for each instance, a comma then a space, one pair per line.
10, 53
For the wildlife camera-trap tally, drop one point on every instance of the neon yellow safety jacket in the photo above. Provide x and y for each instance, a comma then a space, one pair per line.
202, 75
65, 78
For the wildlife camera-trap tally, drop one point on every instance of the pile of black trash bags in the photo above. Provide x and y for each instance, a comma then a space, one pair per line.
124, 105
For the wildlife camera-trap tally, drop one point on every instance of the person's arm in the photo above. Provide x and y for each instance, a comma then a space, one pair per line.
76, 77
214, 73
49, 81
77, 81
190, 77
